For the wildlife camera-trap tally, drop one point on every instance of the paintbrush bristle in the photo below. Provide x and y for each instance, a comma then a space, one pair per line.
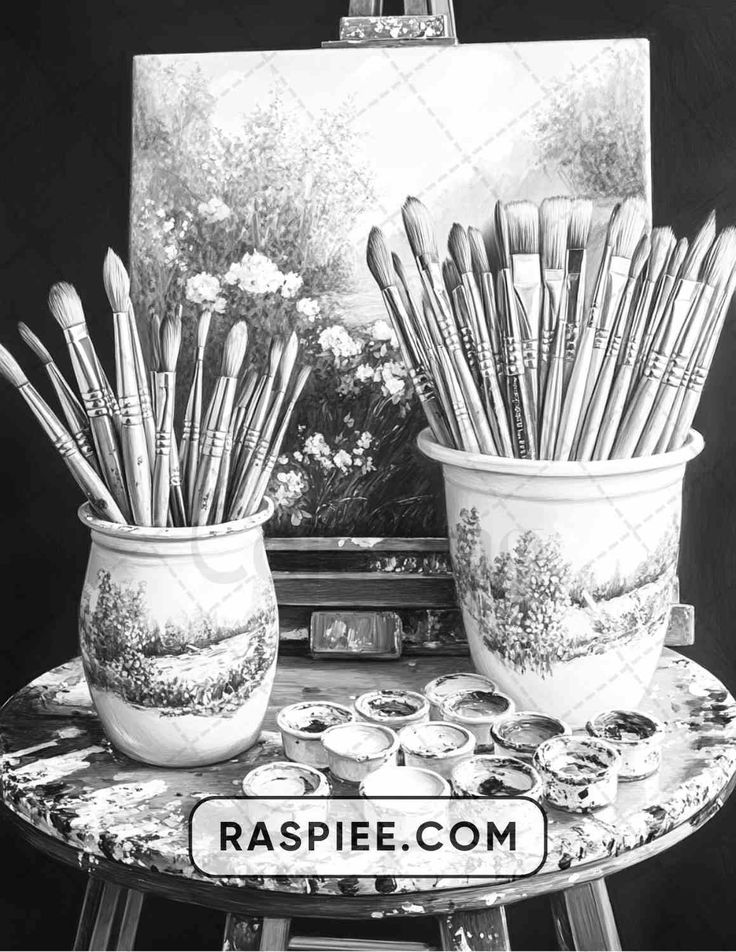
399, 269
677, 258
233, 353
720, 260
499, 250
34, 343
154, 334
117, 283
291, 349
378, 258
274, 355
170, 342
419, 229
639, 258
301, 380
65, 304
450, 275
554, 217
458, 244
523, 228
663, 241
478, 253
627, 227
699, 248
203, 328
11, 369
578, 229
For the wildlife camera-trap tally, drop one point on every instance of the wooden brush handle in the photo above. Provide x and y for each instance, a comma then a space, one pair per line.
614, 411
573, 406
135, 459
106, 446
635, 418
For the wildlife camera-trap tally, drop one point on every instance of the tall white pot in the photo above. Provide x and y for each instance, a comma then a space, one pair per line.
179, 635
565, 572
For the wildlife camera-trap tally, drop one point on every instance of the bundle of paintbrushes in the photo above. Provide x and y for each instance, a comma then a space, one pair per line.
508, 359
120, 445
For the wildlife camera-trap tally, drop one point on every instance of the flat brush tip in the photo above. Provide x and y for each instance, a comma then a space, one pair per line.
663, 241
65, 304
554, 215
116, 281
233, 353
640, 256
32, 341
628, 226
578, 229
523, 228
378, 259
11, 369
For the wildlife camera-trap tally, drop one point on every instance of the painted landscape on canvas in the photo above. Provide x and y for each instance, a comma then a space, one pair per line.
257, 176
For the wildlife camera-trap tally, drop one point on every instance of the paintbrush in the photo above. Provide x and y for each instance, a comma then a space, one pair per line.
243, 396
661, 299
380, 265
144, 386
461, 310
76, 418
424, 247
578, 232
573, 406
217, 424
523, 236
86, 478
66, 307
684, 294
717, 268
599, 400
554, 217
165, 376
700, 368
132, 433
251, 496
663, 241
553, 391
251, 430
189, 448
462, 256
626, 233
486, 283
522, 413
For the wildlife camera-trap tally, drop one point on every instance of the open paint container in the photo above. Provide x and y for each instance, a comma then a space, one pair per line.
357, 749
579, 773
476, 709
636, 736
487, 775
395, 709
302, 726
285, 779
519, 734
400, 782
436, 691
436, 745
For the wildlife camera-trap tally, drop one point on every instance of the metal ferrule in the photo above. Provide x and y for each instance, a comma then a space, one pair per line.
66, 445
696, 380
76, 333
600, 338
514, 357
656, 365
530, 351
130, 410
163, 443
95, 403
214, 443
676, 370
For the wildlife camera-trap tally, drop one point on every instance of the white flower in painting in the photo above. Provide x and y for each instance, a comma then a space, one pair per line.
219, 305
316, 445
363, 372
255, 274
364, 440
391, 374
290, 487
382, 330
170, 253
292, 285
213, 211
204, 288
335, 339
368, 466
342, 460
168, 225
308, 308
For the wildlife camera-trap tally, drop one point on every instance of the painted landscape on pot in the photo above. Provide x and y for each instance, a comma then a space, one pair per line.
533, 610
194, 668
257, 176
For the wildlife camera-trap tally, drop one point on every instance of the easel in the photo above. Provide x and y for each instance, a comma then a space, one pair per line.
424, 23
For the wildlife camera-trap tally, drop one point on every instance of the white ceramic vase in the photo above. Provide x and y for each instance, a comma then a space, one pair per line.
179, 637
565, 572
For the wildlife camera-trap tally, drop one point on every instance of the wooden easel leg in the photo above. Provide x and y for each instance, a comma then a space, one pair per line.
483, 930
584, 918
109, 917
250, 933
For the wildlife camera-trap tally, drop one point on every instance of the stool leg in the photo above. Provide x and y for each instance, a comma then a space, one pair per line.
109, 917
483, 930
250, 932
584, 918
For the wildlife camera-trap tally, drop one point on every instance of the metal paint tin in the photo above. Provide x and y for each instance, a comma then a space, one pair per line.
302, 726
393, 708
636, 736
357, 749
580, 774
436, 745
436, 691
488, 775
519, 734
477, 710
285, 779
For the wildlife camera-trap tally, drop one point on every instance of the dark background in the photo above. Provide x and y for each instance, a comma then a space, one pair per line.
64, 148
